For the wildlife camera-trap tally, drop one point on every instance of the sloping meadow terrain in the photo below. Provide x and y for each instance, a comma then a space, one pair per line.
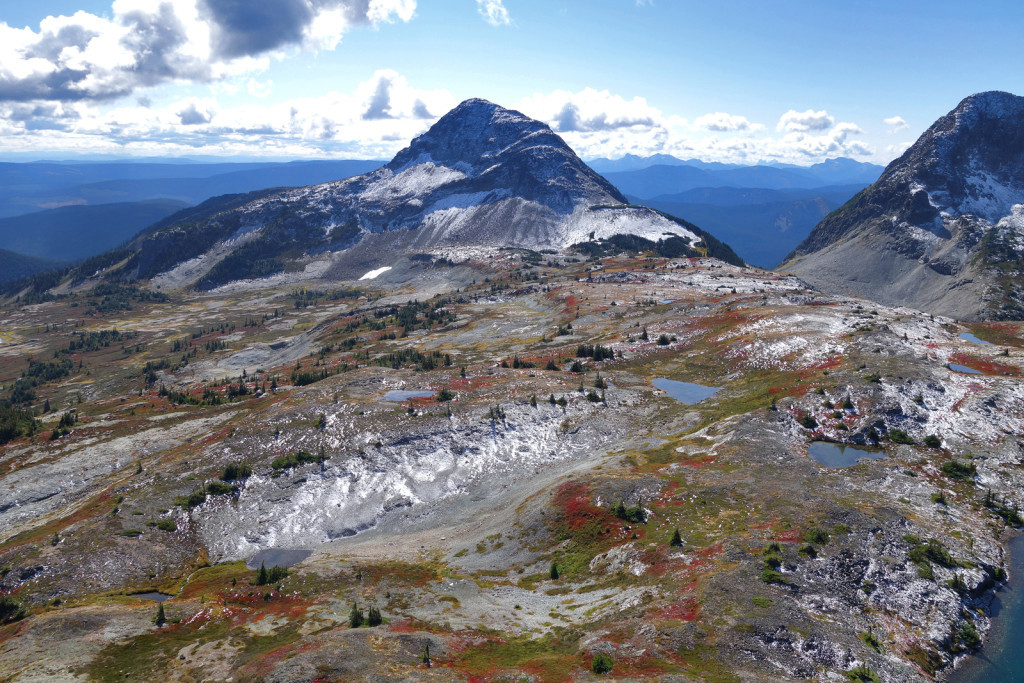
539, 511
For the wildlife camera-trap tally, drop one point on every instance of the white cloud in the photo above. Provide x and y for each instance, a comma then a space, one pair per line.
144, 43
197, 112
895, 123
333, 124
383, 113
590, 110
841, 131
720, 121
803, 121
598, 123
494, 12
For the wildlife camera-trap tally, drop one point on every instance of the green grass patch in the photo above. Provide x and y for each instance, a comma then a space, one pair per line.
817, 536
862, 674
550, 657
870, 640
961, 471
146, 657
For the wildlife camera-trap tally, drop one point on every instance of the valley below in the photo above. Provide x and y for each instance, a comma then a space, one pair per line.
534, 503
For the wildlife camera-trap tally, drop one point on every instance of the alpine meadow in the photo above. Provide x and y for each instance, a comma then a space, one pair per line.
511, 340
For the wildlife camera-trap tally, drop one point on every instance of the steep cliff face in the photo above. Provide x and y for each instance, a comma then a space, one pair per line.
482, 175
943, 228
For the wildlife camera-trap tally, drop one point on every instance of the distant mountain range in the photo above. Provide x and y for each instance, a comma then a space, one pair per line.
763, 211
943, 228
71, 224
17, 266
30, 187
661, 179
70, 233
764, 225
96, 206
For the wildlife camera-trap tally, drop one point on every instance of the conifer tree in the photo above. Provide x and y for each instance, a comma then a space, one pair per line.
355, 617
676, 539
160, 619
261, 576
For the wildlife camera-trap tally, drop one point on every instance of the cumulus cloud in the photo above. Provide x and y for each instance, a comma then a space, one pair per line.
145, 43
602, 124
720, 121
590, 111
420, 111
802, 121
895, 123
494, 12
383, 113
196, 112
333, 124
380, 103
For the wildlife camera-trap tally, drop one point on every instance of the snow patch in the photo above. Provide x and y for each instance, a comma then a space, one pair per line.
372, 275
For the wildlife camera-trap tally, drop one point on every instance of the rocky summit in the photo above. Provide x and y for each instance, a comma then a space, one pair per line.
943, 228
482, 175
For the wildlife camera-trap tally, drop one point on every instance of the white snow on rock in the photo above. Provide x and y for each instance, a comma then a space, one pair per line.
308, 506
373, 274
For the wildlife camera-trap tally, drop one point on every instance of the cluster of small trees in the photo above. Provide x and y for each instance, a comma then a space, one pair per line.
63, 428
298, 458
633, 515
517, 363
356, 618
595, 351
236, 471
266, 576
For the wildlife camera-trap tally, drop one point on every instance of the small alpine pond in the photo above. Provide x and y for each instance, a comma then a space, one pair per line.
685, 392
841, 454
278, 557
405, 395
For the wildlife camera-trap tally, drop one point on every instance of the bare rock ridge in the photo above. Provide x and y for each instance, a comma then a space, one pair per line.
482, 175
943, 228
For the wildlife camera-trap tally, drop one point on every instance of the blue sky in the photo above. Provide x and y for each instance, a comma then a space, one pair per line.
789, 81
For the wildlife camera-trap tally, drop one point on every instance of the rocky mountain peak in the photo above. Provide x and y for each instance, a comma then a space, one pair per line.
473, 130
938, 231
970, 161
506, 149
